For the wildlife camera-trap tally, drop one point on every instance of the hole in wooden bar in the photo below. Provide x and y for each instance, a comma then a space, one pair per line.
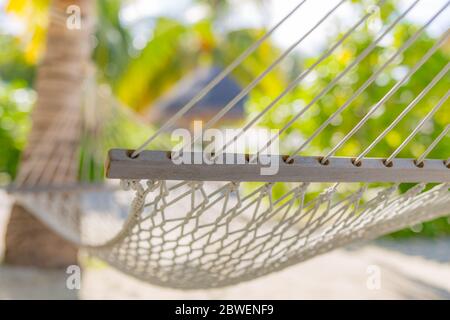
324, 163
419, 164
356, 163
130, 154
288, 159
388, 164
447, 164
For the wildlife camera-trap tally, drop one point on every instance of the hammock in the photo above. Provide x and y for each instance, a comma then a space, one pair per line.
210, 225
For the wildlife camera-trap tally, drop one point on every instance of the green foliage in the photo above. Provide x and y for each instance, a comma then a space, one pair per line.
16, 99
15, 103
163, 60
176, 48
235, 43
437, 228
14, 67
113, 44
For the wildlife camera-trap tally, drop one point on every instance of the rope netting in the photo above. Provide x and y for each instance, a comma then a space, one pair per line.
181, 236
202, 234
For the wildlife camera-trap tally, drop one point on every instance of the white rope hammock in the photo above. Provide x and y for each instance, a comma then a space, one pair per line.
202, 226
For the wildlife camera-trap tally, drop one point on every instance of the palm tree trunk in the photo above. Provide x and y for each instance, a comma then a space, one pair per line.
59, 87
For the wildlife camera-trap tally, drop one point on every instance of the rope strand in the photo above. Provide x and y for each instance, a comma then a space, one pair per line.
430, 148
391, 92
247, 89
419, 126
295, 82
213, 83
404, 113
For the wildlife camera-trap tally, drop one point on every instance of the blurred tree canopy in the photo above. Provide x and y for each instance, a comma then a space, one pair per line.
138, 76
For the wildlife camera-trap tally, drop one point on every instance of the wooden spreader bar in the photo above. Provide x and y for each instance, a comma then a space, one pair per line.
158, 165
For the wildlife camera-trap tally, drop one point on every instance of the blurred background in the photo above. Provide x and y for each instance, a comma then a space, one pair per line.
150, 56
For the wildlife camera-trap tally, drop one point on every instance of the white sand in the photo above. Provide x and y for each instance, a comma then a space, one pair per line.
418, 269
